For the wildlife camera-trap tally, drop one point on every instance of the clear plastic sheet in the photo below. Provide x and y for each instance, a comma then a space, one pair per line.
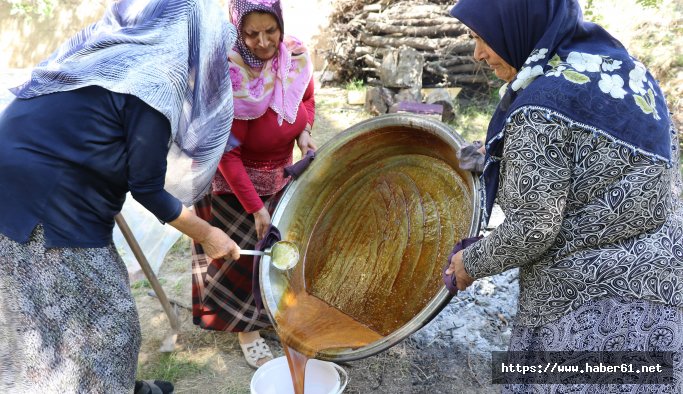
155, 239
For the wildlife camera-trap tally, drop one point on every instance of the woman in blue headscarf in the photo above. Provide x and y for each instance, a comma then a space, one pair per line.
140, 101
582, 157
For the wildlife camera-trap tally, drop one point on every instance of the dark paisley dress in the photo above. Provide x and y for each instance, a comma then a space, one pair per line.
592, 225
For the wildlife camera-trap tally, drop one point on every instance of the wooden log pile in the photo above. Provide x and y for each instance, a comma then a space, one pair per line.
364, 31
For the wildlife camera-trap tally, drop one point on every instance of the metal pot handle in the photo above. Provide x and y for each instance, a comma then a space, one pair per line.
343, 378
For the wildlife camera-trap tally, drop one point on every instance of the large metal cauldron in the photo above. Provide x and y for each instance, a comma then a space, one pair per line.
375, 217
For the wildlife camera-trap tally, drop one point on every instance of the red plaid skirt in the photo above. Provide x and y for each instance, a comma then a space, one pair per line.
221, 289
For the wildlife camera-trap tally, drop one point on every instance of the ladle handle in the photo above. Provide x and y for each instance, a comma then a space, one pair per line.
253, 252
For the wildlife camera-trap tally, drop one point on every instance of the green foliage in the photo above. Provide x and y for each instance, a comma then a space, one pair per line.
29, 8
589, 13
181, 246
649, 3
677, 61
355, 84
144, 284
171, 367
141, 284
472, 116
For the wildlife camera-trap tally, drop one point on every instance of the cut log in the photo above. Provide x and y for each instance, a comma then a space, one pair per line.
443, 98
402, 68
372, 8
437, 68
371, 61
406, 9
370, 70
448, 61
410, 20
411, 94
452, 45
444, 30
378, 100
360, 51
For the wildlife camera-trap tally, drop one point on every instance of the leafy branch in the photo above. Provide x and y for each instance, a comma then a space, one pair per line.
31, 8
649, 3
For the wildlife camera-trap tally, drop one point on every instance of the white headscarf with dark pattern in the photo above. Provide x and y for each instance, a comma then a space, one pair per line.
173, 55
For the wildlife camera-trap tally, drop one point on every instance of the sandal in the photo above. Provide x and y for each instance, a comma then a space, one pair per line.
255, 352
153, 387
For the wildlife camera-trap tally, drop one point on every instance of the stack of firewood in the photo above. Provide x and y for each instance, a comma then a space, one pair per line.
365, 30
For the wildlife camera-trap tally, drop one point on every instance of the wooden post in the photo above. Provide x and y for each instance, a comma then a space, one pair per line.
151, 277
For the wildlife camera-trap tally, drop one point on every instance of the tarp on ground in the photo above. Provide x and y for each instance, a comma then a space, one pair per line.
155, 239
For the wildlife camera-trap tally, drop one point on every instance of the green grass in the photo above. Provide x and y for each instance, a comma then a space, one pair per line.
144, 284
472, 124
355, 84
141, 284
678, 59
178, 287
171, 367
322, 102
179, 256
649, 3
181, 245
472, 120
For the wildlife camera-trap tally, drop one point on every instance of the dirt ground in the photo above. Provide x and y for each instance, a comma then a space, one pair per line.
444, 357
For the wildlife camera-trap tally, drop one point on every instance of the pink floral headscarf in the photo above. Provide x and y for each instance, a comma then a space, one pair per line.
281, 81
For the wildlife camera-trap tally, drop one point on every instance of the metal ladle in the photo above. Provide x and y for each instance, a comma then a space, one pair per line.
284, 255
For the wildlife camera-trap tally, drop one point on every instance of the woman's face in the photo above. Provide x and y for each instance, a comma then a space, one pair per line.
261, 34
482, 51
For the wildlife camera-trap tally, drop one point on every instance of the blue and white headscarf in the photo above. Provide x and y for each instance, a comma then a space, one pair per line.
573, 68
173, 55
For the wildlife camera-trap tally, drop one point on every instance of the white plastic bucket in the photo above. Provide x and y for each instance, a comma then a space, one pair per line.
322, 377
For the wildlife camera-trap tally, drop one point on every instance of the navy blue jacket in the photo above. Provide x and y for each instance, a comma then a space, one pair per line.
68, 159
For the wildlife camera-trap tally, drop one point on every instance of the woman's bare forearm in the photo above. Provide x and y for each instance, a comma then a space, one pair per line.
191, 225
215, 242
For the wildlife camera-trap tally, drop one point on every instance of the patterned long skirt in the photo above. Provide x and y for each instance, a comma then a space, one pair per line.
222, 296
615, 324
68, 322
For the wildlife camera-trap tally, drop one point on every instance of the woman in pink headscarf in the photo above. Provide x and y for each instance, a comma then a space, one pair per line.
272, 81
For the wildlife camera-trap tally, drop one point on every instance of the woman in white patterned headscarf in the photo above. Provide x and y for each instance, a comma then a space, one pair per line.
145, 87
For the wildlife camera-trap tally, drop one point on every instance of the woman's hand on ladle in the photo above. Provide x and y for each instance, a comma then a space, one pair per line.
217, 244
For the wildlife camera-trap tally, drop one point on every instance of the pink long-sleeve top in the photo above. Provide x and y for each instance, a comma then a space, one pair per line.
255, 168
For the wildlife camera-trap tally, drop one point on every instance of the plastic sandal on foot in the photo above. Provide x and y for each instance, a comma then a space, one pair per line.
257, 352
